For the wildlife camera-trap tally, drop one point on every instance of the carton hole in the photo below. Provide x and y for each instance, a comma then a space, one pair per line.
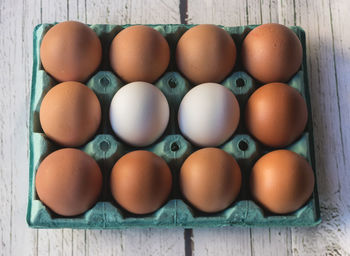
172, 83
243, 145
240, 82
174, 147
104, 146
104, 81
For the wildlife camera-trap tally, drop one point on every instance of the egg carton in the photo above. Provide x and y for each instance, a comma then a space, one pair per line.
106, 148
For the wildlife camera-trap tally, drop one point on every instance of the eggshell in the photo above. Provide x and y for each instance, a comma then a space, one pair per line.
141, 182
282, 181
208, 114
205, 53
139, 53
139, 113
68, 181
276, 114
210, 179
70, 114
70, 51
272, 53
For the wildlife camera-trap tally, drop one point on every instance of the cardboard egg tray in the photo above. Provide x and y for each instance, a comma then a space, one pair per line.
106, 148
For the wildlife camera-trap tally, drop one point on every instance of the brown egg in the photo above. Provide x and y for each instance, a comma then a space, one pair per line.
70, 51
139, 53
205, 53
141, 182
282, 181
68, 181
210, 179
272, 53
276, 114
70, 114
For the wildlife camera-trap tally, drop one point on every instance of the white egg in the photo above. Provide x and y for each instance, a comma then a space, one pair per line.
208, 114
139, 113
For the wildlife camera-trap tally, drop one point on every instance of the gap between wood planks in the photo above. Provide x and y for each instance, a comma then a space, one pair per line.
183, 11
188, 234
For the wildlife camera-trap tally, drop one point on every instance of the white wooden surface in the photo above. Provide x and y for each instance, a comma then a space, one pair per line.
328, 45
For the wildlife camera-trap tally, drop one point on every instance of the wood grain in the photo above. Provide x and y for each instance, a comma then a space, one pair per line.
328, 46
16, 21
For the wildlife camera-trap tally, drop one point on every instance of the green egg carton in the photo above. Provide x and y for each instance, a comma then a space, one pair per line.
106, 148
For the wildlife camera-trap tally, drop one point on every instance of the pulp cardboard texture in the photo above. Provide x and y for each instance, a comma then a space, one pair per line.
106, 148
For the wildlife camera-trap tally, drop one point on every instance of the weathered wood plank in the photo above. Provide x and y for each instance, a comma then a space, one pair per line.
135, 242
229, 13
78, 243
77, 10
133, 12
222, 241
154, 241
17, 19
286, 12
269, 10
104, 242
